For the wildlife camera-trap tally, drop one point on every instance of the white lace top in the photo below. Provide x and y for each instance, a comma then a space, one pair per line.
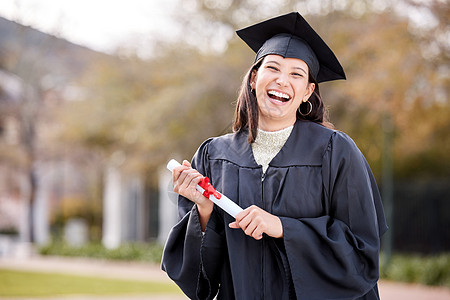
267, 145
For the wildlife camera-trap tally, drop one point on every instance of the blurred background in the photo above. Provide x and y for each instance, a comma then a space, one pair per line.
97, 96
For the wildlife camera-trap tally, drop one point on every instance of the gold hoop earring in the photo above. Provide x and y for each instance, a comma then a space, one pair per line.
309, 111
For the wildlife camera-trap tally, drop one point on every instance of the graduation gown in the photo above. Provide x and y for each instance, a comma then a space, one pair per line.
323, 190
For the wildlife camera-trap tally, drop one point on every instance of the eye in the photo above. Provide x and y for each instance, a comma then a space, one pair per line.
272, 68
297, 74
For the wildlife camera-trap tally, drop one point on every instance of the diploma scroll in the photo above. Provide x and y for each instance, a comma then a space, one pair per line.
210, 192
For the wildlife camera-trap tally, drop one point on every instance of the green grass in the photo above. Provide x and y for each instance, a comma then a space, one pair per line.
35, 284
149, 252
414, 268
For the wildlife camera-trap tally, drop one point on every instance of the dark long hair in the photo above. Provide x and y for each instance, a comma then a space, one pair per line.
247, 113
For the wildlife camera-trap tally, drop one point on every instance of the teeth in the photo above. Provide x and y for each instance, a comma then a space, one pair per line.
279, 95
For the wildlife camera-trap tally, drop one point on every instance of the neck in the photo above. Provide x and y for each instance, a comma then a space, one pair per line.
274, 125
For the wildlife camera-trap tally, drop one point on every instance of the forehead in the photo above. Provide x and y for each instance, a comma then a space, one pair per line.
286, 61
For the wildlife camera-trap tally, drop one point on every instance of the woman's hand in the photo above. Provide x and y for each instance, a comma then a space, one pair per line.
255, 221
185, 180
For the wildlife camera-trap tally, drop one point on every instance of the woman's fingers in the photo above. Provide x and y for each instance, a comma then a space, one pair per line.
234, 225
177, 171
256, 224
185, 181
188, 183
255, 221
257, 234
252, 229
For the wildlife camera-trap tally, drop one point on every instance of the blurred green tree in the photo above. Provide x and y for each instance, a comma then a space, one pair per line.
150, 109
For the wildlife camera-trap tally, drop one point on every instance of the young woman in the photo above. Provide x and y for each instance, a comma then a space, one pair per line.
312, 217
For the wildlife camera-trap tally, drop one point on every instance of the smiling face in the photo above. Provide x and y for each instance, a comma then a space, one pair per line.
281, 85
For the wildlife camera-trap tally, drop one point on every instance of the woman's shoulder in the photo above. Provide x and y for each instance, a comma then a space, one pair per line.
221, 141
233, 147
342, 139
329, 135
321, 139
225, 146
342, 147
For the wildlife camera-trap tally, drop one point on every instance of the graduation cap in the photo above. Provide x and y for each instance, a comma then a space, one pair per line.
291, 36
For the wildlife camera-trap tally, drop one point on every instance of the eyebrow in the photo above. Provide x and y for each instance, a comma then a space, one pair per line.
277, 63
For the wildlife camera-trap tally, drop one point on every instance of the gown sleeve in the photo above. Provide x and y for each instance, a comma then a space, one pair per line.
190, 257
335, 256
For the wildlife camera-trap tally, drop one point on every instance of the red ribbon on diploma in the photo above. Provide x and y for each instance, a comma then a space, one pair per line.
209, 189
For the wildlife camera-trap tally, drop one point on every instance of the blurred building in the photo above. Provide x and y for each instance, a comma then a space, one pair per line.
39, 72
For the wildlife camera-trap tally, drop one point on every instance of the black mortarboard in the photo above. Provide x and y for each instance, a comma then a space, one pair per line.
291, 36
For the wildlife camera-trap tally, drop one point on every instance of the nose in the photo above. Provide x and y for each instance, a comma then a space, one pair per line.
282, 79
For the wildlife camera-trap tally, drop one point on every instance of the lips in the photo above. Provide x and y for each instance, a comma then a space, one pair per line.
279, 96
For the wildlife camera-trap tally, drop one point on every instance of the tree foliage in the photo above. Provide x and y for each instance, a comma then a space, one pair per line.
142, 112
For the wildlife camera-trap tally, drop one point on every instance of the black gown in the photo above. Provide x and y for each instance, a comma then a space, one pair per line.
323, 190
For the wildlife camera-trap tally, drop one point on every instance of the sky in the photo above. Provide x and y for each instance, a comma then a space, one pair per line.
103, 25
106, 25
